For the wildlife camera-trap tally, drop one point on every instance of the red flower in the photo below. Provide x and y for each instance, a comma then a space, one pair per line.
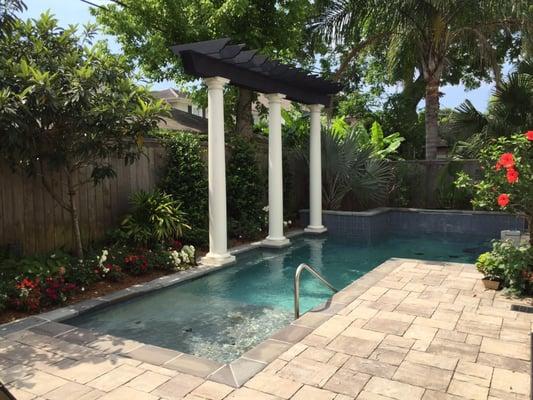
498, 166
512, 175
503, 200
529, 135
507, 160
176, 245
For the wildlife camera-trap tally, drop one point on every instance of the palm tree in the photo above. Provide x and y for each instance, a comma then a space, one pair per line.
434, 34
510, 111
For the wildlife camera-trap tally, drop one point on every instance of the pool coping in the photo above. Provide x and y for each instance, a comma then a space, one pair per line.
235, 373
73, 310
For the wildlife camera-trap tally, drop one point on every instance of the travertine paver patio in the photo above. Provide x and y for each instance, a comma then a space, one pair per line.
408, 330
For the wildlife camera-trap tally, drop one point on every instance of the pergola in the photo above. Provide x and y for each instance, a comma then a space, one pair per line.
219, 62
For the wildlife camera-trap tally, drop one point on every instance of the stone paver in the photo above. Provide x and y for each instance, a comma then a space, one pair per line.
407, 330
148, 381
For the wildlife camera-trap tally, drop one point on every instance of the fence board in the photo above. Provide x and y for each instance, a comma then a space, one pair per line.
31, 221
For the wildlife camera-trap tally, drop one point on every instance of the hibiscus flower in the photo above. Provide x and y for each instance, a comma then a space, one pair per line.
503, 200
512, 175
507, 160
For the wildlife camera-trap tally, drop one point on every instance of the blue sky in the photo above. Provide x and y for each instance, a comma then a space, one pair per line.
77, 12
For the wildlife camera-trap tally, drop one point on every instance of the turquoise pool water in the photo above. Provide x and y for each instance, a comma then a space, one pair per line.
222, 315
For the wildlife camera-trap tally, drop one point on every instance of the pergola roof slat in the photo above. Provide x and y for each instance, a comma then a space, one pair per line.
249, 69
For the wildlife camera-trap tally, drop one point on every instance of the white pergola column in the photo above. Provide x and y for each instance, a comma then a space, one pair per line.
275, 236
218, 235
315, 173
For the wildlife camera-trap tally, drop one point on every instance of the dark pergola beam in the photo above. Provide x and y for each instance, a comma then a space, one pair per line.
254, 71
203, 66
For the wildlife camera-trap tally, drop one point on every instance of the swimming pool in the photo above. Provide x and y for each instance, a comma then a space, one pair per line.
224, 314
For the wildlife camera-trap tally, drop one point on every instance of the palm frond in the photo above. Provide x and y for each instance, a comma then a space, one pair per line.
466, 121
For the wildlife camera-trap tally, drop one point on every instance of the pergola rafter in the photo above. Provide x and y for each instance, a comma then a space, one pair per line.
219, 62
254, 71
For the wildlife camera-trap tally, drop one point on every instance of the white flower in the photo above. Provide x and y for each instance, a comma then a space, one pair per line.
189, 251
102, 259
185, 257
265, 208
175, 256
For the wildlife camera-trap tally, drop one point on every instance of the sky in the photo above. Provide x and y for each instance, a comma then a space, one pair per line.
77, 12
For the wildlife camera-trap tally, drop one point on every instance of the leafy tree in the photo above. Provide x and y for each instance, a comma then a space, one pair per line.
441, 39
65, 106
8, 14
146, 30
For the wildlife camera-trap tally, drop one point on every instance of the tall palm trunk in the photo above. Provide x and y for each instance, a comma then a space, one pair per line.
244, 119
432, 116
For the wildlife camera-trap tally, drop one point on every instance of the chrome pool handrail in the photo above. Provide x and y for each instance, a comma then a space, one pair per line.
297, 274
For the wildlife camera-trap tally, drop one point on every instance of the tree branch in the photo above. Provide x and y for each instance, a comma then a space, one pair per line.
355, 51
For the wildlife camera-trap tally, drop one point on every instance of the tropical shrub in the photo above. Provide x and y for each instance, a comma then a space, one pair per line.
511, 264
245, 190
185, 178
507, 182
384, 147
348, 168
155, 217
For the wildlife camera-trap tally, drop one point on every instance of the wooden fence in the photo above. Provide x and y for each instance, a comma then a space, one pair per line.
31, 221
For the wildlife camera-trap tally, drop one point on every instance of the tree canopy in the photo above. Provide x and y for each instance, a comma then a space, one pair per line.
147, 29
66, 105
435, 40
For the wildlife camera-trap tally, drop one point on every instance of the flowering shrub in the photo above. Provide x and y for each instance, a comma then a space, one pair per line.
28, 295
507, 183
182, 259
106, 267
55, 290
136, 264
28, 284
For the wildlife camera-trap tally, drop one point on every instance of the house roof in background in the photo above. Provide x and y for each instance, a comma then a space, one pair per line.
184, 121
168, 94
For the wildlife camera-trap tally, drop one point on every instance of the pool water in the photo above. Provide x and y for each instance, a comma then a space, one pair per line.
224, 314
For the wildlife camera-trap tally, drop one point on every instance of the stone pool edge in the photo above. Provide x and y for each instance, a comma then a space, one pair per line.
239, 371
